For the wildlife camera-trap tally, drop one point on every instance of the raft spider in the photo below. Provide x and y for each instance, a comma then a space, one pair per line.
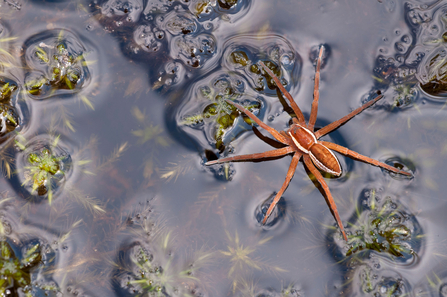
303, 142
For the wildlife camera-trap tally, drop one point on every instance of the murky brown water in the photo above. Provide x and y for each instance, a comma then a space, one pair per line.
109, 110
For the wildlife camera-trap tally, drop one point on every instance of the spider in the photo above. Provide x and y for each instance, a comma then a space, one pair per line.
301, 140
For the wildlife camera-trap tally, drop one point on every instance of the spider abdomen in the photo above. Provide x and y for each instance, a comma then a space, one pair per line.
324, 159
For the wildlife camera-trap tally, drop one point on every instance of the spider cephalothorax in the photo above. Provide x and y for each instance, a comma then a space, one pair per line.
302, 141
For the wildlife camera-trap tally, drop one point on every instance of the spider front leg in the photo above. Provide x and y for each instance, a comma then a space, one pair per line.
314, 109
293, 104
334, 125
290, 173
251, 157
320, 179
272, 131
355, 155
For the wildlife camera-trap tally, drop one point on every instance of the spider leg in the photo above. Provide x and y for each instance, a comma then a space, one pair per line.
295, 107
269, 154
320, 179
314, 110
290, 173
272, 131
355, 155
334, 125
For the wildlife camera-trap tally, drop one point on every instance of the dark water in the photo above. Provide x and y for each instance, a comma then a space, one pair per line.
109, 110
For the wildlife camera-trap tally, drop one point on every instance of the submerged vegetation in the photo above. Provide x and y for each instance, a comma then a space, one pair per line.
154, 266
15, 272
43, 169
55, 66
217, 114
382, 226
243, 259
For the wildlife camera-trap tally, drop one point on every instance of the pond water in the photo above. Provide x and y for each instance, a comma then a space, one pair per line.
111, 108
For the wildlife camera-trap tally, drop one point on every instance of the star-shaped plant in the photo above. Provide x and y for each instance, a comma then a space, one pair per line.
44, 170
160, 273
242, 258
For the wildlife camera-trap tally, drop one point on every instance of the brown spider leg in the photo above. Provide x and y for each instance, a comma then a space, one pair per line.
269, 154
334, 125
355, 155
293, 104
290, 173
325, 187
272, 131
314, 110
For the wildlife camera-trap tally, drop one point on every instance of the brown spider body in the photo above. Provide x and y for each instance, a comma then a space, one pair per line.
306, 141
302, 141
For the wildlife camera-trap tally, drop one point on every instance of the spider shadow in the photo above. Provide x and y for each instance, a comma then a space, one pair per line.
319, 187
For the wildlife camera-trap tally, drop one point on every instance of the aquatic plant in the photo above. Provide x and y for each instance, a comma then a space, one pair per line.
6, 91
166, 278
65, 70
240, 58
242, 258
7, 59
44, 167
44, 170
57, 65
382, 227
219, 114
15, 272
9, 117
406, 94
149, 132
244, 52
371, 280
176, 169
153, 137
151, 266
433, 283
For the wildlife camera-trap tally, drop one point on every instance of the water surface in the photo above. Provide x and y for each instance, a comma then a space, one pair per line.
111, 108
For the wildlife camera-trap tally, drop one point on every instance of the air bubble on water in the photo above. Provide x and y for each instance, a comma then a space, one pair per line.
285, 60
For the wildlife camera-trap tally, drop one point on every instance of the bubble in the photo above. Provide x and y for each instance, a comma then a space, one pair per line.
160, 34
